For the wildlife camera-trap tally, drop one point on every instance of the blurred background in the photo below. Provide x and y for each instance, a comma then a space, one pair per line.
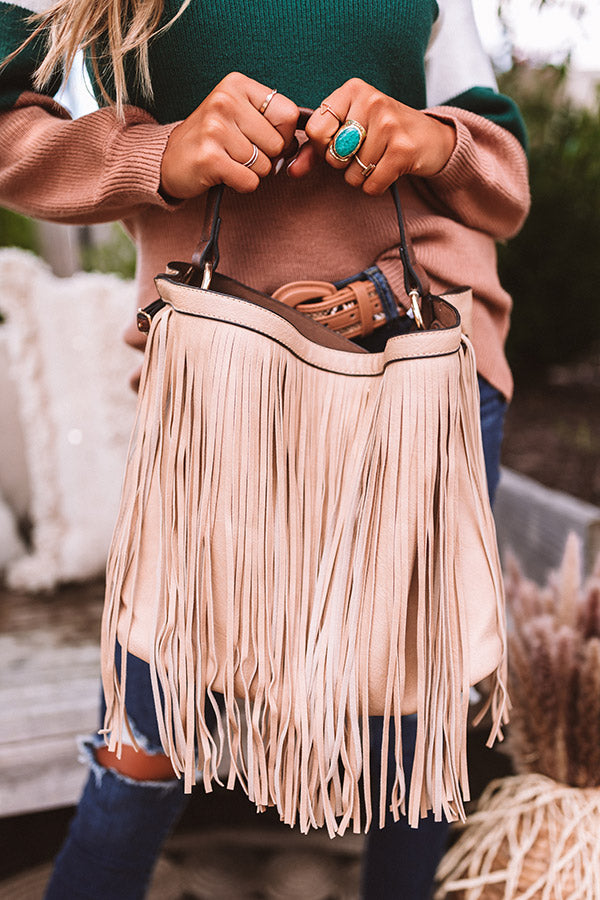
57, 371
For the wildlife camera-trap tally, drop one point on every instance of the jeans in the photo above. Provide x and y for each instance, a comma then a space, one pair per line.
120, 824
399, 861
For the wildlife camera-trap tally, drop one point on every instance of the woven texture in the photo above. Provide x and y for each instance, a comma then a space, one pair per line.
531, 839
245, 863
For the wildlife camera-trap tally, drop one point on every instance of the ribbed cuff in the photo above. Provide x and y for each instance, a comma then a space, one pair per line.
135, 161
459, 169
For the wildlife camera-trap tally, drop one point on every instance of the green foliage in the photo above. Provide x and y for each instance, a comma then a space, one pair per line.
552, 268
115, 254
17, 231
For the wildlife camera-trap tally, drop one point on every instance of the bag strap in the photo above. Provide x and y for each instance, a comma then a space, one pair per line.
205, 257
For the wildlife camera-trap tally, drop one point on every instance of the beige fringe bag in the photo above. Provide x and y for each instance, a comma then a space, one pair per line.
305, 529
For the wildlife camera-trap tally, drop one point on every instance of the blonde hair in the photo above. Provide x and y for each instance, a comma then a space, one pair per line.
108, 30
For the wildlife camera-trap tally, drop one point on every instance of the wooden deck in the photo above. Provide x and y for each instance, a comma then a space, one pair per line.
49, 693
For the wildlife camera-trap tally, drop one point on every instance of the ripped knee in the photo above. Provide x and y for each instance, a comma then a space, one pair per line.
136, 764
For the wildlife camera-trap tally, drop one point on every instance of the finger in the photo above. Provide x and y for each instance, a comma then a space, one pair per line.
236, 176
383, 175
243, 85
287, 156
348, 140
325, 122
304, 162
370, 154
283, 114
248, 154
260, 131
322, 126
333, 148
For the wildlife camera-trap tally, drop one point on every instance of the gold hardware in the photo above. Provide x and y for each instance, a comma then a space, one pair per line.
266, 101
144, 321
324, 107
366, 168
207, 276
416, 310
253, 158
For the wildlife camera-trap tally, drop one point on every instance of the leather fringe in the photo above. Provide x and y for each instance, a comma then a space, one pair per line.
291, 653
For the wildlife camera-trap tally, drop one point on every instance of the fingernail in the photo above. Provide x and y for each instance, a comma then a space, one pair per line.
290, 164
279, 165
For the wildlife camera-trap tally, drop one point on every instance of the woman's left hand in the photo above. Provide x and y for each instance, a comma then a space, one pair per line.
399, 140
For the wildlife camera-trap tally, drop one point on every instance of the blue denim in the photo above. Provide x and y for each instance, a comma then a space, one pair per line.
120, 824
492, 412
400, 862
378, 279
115, 837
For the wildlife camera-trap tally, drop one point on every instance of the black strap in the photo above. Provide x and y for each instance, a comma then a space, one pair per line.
412, 282
207, 251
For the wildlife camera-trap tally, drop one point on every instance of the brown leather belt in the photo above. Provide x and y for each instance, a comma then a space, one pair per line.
354, 310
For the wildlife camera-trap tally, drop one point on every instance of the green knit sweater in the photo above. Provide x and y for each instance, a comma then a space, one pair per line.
305, 48
100, 167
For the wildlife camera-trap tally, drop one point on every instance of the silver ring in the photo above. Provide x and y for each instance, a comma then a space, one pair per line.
266, 101
253, 158
366, 169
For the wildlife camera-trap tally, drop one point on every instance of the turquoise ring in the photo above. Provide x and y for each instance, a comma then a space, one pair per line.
347, 140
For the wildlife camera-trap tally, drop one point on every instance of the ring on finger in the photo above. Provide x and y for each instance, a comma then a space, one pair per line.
266, 101
347, 140
325, 107
253, 158
366, 169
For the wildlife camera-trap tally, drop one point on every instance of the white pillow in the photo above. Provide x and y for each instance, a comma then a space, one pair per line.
65, 415
11, 545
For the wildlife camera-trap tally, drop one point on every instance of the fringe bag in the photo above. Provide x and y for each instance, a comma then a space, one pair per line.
305, 529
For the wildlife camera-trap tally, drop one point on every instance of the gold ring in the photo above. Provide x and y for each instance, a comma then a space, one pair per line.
347, 140
324, 107
266, 101
253, 158
366, 169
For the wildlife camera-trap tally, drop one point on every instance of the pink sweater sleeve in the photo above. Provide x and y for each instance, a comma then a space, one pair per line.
94, 169
485, 182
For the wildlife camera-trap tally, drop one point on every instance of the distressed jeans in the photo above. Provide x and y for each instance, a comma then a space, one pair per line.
120, 824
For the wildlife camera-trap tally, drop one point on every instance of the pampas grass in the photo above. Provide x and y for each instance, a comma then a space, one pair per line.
554, 672
537, 835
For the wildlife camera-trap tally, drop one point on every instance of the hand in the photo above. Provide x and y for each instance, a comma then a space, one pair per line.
400, 140
213, 143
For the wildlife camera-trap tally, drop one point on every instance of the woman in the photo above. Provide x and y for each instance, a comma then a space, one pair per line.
196, 106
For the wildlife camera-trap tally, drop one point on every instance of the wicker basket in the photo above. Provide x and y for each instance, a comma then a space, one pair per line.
531, 839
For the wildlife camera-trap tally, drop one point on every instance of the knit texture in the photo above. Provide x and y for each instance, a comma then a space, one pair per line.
99, 168
307, 48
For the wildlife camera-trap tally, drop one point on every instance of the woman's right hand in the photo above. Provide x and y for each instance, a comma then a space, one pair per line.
213, 143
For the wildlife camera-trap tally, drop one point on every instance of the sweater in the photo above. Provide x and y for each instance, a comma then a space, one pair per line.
101, 168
